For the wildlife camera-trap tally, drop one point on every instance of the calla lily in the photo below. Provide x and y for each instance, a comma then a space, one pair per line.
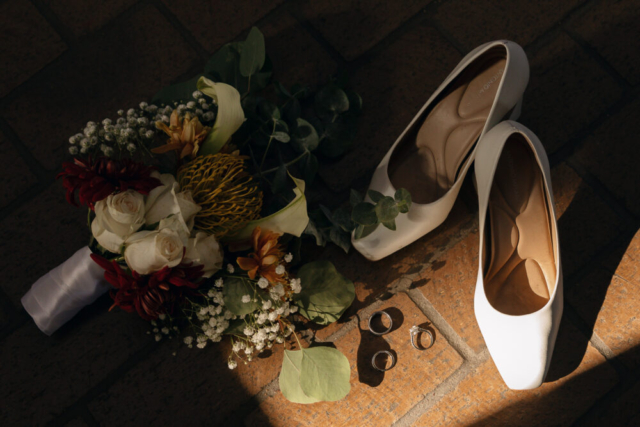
291, 219
229, 118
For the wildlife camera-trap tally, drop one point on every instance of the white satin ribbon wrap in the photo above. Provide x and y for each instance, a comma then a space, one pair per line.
61, 293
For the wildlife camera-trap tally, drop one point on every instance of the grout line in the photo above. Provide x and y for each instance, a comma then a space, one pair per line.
182, 30
603, 192
590, 51
71, 411
572, 315
595, 411
52, 19
317, 36
87, 416
442, 390
445, 329
40, 172
575, 141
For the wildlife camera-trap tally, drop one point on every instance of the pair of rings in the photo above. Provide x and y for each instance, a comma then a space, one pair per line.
414, 332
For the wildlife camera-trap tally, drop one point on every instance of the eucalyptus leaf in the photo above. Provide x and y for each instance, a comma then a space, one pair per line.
290, 378
355, 197
386, 210
374, 195
252, 56
339, 136
341, 238
324, 374
313, 230
305, 137
236, 327
325, 294
342, 219
355, 102
364, 214
391, 225
224, 66
233, 291
357, 233
331, 100
281, 136
282, 90
403, 198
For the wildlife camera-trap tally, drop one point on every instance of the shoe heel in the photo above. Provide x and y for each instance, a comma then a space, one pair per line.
514, 114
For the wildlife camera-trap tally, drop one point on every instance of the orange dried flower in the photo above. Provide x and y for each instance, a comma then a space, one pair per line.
265, 258
184, 137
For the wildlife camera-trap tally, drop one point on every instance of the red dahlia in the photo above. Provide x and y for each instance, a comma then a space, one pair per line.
95, 180
149, 295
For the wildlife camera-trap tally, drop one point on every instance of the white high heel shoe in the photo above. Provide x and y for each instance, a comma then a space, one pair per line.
518, 298
433, 154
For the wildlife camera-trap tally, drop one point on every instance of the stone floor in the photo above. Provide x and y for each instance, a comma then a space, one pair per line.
65, 62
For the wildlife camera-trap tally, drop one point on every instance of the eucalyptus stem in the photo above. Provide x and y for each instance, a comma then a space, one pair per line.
292, 162
264, 156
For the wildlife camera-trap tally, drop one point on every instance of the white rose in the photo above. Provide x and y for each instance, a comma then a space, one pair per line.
204, 250
150, 251
166, 200
117, 217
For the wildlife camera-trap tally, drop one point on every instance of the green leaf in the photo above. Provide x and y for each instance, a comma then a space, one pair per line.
178, 92
282, 90
341, 238
290, 378
236, 327
342, 218
252, 55
233, 291
313, 230
324, 374
281, 136
364, 214
331, 100
292, 110
268, 111
338, 138
376, 196
403, 198
325, 294
355, 197
391, 225
223, 66
305, 137
386, 210
355, 102
358, 232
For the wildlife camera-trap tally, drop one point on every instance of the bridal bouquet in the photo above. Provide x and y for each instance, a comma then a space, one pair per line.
197, 202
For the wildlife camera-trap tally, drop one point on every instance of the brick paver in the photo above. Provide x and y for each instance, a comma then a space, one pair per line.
66, 62
472, 22
354, 26
611, 29
83, 17
15, 176
375, 398
60, 370
483, 399
396, 84
125, 65
557, 103
23, 25
216, 23
610, 153
609, 302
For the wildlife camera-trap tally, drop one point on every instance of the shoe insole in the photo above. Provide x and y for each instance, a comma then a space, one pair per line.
427, 163
521, 274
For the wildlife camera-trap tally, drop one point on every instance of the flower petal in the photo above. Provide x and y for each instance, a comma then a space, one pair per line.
230, 114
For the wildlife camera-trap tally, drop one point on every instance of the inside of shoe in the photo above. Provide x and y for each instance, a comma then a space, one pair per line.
520, 272
428, 161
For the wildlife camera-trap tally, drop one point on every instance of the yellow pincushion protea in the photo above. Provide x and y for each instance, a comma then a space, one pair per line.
228, 195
